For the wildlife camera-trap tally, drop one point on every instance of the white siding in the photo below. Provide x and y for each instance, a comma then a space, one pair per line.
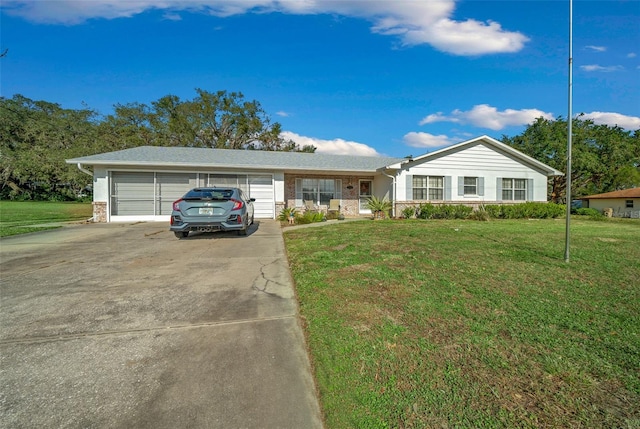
278, 186
475, 161
100, 185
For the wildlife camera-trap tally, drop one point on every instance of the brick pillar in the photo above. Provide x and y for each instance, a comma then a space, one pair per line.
99, 211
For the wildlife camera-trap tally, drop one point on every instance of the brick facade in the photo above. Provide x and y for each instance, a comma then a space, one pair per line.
350, 197
99, 211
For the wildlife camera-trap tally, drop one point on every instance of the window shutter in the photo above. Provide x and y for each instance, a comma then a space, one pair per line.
460, 185
447, 188
529, 189
499, 189
409, 191
481, 186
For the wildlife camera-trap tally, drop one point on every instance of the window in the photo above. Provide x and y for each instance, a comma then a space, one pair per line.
428, 187
514, 189
320, 191
629, 204
470, 186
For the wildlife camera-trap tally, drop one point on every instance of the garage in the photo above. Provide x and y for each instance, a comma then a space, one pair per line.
149, 195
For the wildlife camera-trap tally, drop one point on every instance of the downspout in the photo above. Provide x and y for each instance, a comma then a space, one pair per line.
85, 171
393, 200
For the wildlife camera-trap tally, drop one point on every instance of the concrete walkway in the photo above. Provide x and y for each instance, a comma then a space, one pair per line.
125, 326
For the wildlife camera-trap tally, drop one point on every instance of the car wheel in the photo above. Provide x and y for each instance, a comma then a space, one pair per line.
245, 230
181, 234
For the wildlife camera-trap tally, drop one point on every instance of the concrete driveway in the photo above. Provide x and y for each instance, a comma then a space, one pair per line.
125, 326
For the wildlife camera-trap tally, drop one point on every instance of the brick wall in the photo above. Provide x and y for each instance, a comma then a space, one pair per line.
99, 211
349, 206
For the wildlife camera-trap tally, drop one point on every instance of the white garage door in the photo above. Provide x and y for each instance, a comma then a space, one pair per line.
261, 188
257, 186
150, 195
132, 194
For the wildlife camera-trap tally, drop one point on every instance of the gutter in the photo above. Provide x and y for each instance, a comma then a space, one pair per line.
84, 170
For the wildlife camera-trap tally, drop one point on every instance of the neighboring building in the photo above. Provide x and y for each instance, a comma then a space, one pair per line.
625, 203
141, 183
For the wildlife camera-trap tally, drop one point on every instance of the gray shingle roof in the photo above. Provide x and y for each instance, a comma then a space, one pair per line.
250, 159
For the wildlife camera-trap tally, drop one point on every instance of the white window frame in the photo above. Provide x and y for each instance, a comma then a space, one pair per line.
466, 185
428, 188
319, 188
510, 191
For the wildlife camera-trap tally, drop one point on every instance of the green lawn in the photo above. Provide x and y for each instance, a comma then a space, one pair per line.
19, 217
442, 324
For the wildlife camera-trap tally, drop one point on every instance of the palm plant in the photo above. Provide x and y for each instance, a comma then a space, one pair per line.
379, 207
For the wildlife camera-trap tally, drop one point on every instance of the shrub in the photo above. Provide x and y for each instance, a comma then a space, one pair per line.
589, 212
334, 215
379, 207
528, 210
408, 212
480, 214
309, 217
285, 213
443, 211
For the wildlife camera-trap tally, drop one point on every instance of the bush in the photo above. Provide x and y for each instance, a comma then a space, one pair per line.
408, 212
285, 213
443, 211
379, 207
528, 210
309, 217
480, 214
589, 212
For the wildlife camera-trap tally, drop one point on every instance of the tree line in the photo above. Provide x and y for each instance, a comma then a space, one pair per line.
603, 158
37, 136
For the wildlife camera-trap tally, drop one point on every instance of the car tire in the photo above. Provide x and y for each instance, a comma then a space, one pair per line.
244, 231
181, 234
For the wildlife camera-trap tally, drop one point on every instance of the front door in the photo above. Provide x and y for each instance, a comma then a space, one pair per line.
366, 187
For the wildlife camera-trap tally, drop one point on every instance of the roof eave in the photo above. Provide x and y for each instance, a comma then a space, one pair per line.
113, 163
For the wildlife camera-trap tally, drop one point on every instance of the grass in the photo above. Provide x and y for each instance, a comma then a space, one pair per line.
20, 217
438, 324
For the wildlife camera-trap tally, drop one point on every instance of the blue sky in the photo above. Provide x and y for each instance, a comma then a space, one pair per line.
349, 76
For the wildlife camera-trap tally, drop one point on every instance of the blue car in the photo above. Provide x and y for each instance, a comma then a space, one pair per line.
212, 209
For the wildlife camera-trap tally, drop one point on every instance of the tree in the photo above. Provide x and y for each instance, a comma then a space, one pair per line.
223, 120
37, 136
35, 139
603, 158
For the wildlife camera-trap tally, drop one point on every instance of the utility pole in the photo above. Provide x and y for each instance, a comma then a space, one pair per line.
569, 132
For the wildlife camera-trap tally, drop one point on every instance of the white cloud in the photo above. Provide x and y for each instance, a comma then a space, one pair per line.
632, 55
596, 48
172, 16
283, 114
631, 123
427, 140
334, 147
598, 68
485, 116
413, 22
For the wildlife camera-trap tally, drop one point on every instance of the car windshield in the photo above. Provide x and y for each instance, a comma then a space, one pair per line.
209, 194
